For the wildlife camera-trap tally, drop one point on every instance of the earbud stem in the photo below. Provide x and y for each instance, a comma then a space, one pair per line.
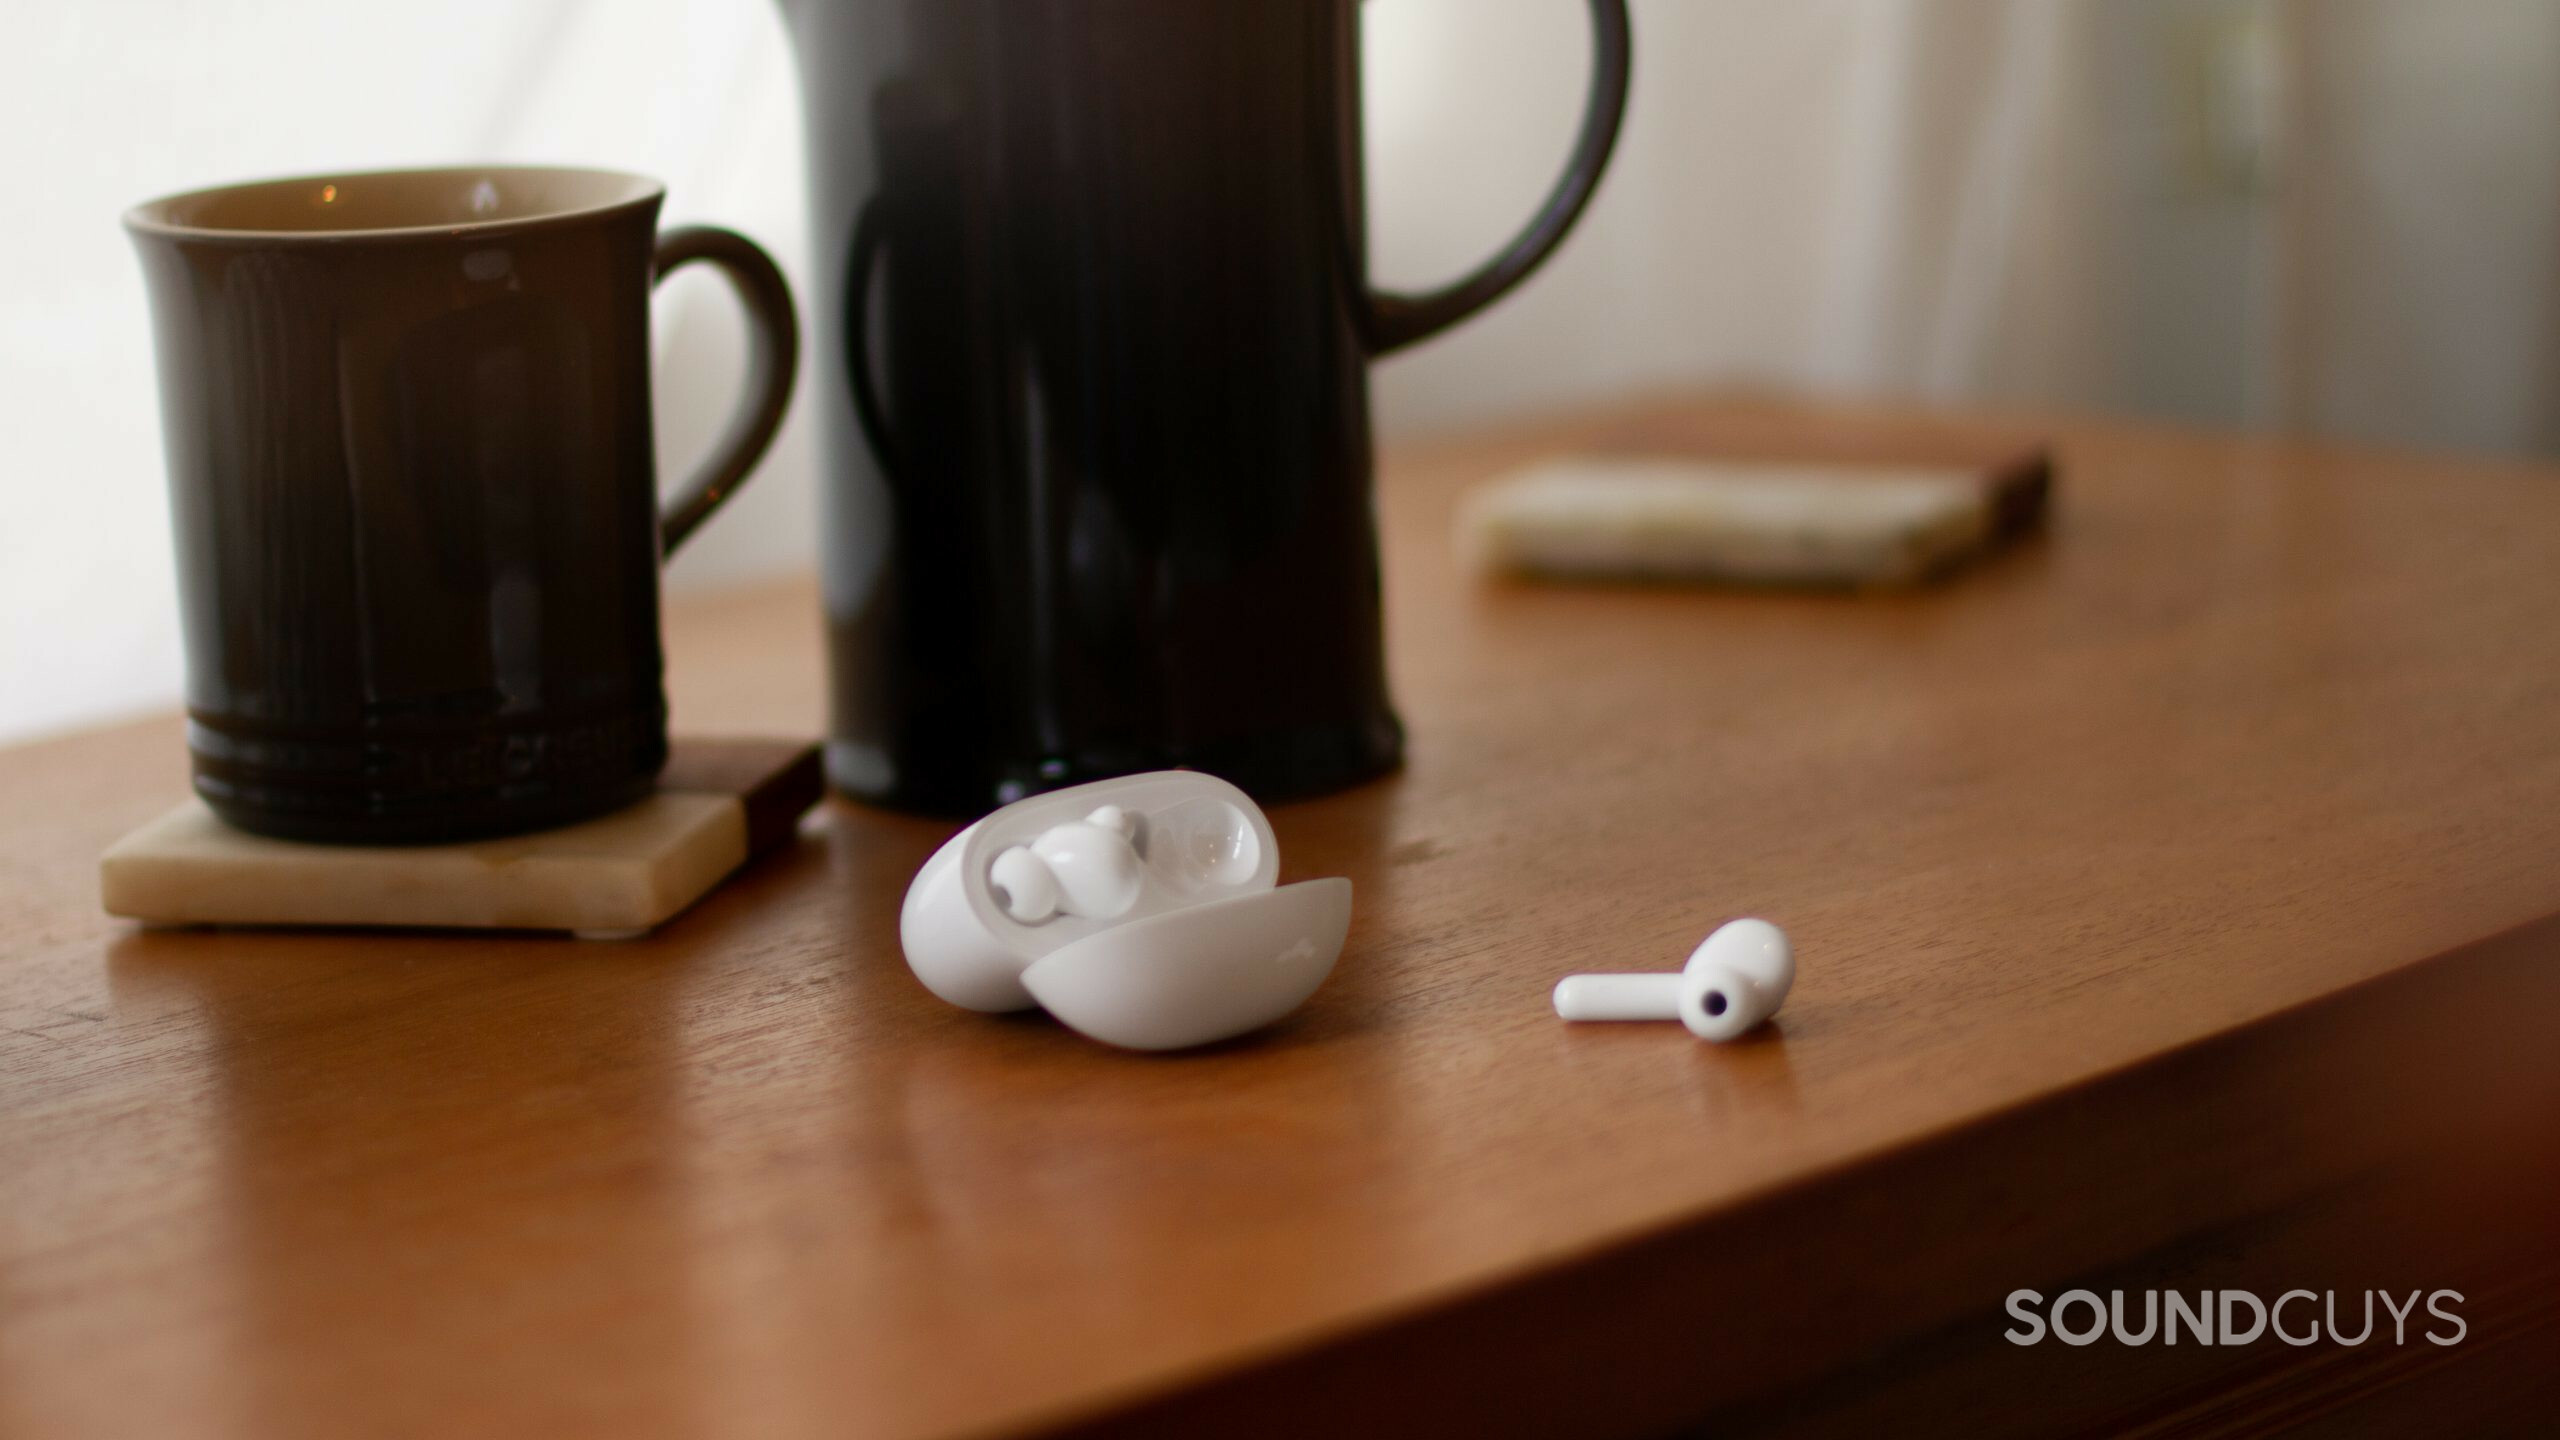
1619, 997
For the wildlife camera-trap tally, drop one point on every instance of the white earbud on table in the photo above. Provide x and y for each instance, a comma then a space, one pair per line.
1735, 979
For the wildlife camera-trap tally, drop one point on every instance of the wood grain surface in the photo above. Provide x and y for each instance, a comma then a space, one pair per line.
2175, 903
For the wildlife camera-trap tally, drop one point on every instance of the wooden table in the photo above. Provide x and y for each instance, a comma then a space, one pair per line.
2177, 902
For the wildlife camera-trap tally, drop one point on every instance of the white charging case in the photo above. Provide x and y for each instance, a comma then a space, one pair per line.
1208, 949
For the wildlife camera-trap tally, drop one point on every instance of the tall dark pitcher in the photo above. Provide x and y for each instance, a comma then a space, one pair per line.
1092, 329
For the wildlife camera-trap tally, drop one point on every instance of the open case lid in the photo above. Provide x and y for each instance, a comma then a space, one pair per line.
1173, 934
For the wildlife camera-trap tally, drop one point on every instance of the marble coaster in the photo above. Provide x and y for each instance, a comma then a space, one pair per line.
720, 803
1822, 522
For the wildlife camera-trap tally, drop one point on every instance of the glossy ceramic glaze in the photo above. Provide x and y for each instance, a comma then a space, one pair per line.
411, 483
1093, 332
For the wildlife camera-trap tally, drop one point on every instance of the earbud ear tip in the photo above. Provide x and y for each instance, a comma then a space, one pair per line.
1718, 1003
1024, 885
1736, 978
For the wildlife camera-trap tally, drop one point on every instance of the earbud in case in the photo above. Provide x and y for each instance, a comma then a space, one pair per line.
1144, 912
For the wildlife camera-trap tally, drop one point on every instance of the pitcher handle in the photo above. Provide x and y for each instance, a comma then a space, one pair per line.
1396, 321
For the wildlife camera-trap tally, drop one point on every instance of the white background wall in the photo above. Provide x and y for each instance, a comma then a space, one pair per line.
2340, 216
2211, 210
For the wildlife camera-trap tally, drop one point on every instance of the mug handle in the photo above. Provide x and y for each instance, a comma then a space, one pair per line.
1396, 321
773, 358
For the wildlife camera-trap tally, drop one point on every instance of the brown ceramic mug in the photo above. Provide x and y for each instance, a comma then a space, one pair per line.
412, 485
